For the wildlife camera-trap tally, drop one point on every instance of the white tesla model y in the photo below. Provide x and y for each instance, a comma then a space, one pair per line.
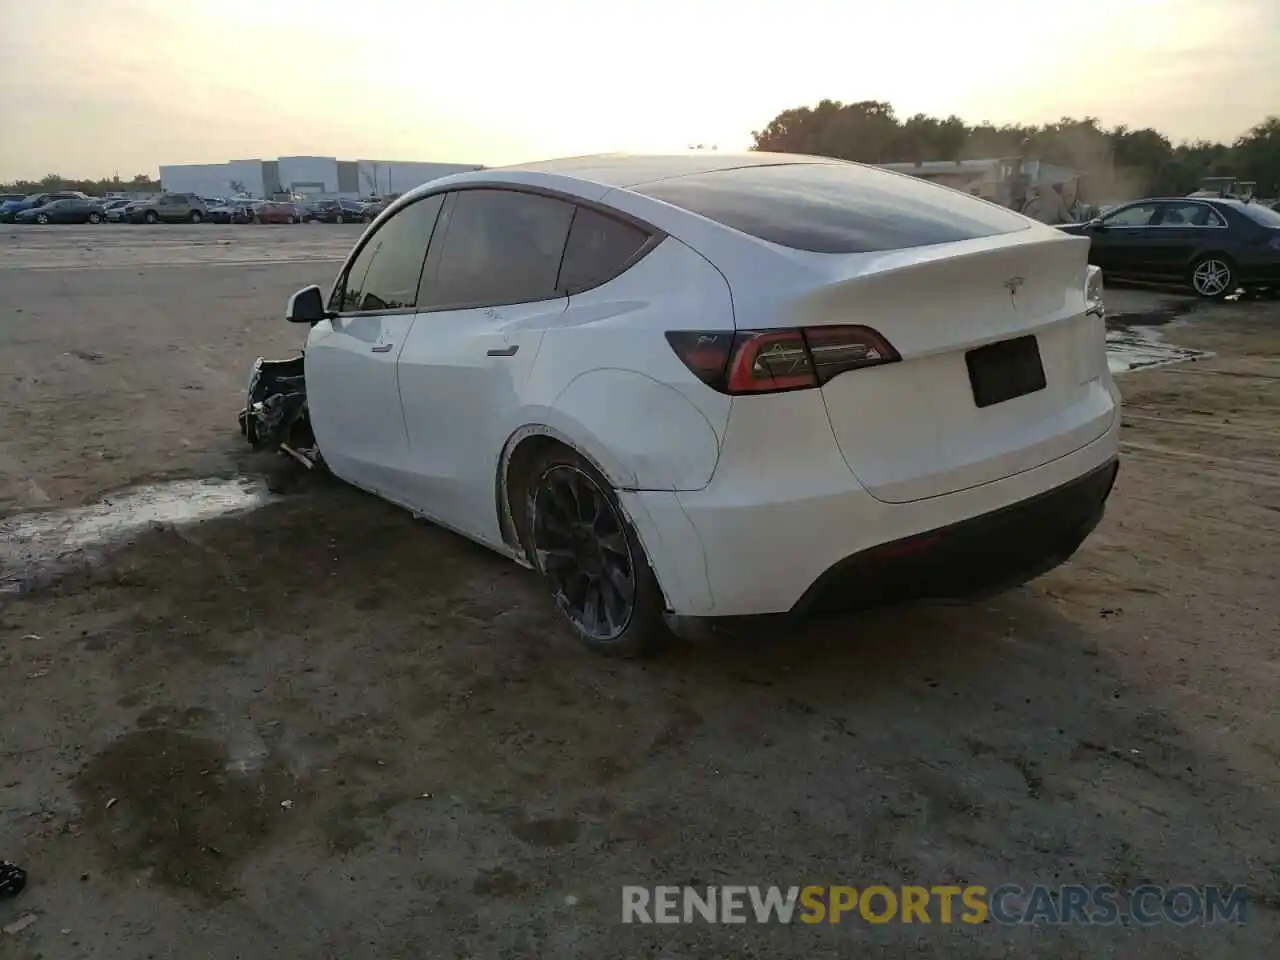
709, 386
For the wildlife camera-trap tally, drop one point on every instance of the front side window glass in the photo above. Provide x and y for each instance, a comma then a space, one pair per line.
384, 275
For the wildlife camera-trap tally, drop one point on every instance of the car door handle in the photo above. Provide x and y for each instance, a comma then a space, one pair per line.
504, 352
382, 348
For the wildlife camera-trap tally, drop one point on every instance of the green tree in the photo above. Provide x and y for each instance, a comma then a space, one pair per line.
1257, 156
1118, 163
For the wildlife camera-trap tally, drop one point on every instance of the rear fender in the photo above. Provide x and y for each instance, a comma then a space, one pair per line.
566, 432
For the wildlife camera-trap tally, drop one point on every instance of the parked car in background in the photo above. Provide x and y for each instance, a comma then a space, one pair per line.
113, 209
169, 208
339, 211
674, 373
304, 212
373, 208
1216, 245
65, 210
232, 211
6, 197
275, 211
10, 209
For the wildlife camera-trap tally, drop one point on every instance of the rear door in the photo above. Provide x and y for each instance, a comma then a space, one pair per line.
488, 294
352, 390
1184, 228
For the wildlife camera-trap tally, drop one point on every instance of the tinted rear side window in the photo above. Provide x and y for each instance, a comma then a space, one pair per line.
835, 207
599, 247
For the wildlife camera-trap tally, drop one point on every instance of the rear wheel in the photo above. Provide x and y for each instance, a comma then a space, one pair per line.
95, 217
42, 219
339, 219
591, 560
1213, 277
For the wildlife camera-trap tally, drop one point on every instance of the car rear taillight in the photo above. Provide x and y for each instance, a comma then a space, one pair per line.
772, 361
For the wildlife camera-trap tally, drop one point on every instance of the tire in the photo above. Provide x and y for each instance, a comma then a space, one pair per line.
42, 219
151, 217
339, 219
1213, 276
95, 218
556, 482
196, 217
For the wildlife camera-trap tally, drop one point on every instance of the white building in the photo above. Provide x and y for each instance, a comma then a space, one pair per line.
305, 176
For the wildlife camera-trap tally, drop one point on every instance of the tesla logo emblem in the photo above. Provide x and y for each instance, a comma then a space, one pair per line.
1013, 285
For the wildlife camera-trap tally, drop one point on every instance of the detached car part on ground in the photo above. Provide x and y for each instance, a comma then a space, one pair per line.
691, 388
275, 412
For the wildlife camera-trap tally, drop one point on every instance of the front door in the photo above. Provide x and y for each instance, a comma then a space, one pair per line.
1124, 244
355, 405
489, 291
352, 392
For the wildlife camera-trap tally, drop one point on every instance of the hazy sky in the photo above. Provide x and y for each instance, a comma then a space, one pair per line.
92, 87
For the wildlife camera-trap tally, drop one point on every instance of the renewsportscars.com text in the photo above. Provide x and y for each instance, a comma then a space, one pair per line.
1008, 904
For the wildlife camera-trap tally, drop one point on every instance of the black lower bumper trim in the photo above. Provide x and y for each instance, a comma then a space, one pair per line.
978, 556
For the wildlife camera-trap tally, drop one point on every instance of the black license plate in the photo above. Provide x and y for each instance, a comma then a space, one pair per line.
1004, 370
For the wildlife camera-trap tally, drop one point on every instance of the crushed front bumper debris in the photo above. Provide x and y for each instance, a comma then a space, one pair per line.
275, 410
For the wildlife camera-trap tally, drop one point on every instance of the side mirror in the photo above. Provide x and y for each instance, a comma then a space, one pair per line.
1096, 224
306, 306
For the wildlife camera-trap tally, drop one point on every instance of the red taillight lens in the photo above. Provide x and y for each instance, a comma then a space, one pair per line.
770, 361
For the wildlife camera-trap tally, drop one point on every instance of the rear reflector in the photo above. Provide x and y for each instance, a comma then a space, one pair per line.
772, 361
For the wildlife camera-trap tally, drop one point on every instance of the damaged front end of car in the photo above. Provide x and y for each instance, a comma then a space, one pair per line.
275, 412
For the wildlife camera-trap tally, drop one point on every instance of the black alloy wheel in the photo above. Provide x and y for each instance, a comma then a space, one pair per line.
582, 549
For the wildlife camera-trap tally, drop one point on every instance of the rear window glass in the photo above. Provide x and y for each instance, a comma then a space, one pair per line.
1260, 214
835, 207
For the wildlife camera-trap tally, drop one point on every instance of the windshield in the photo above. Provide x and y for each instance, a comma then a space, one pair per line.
1260, 214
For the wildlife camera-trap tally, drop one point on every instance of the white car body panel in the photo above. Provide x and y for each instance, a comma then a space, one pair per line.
357, 414
661, 426
741, 502
459, 405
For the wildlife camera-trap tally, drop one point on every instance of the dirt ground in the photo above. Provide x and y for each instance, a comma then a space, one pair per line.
322, 729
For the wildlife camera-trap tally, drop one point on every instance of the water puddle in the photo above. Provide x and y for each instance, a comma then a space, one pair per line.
1135, 340
36, 545
1142, 347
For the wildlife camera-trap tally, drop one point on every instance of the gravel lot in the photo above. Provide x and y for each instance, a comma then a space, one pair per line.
322, 729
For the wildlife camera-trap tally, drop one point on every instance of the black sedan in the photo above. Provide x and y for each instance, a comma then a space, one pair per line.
338, 211
69, 210
1215, 245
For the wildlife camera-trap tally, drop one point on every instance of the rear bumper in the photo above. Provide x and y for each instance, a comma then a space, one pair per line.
1260, 271
797, 535
978, 556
